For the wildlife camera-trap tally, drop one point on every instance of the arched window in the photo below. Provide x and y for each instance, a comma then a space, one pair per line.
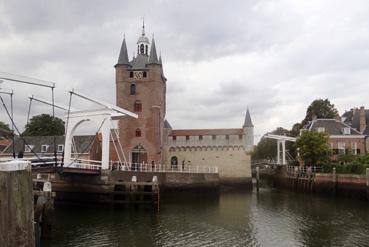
138, 133
147, 50
132, 89
142, 49
174, 162
137, 106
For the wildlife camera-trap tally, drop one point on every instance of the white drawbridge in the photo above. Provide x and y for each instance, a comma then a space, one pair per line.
281, 141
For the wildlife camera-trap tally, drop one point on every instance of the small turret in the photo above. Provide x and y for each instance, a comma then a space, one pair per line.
248, 129
153, 56
123, 55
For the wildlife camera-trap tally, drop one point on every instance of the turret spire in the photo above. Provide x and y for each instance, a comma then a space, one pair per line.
153, 56
123, 55
143, 26
248, 122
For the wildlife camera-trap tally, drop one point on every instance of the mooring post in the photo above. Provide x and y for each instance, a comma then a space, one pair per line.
16, 204
257, 178
367, 183
334, 179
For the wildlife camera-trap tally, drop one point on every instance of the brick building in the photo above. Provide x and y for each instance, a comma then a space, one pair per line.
343, 139
141, 88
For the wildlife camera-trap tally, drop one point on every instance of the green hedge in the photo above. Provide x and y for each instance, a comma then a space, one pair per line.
351, 168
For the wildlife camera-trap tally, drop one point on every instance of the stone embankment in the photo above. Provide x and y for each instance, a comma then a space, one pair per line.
349, 185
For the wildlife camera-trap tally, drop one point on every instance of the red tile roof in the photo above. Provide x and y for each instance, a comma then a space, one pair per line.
5, 142
206, 132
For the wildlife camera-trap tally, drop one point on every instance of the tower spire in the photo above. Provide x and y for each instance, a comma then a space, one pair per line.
123, 55
248, 122
153, 56
143, 26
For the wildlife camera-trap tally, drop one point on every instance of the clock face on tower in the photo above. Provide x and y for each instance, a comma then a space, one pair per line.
137, 75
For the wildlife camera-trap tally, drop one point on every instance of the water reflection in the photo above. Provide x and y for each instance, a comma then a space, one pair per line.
273, 218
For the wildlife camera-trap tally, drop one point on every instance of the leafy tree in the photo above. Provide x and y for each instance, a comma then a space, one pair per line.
321, 109
5, 131
295, 131
313, 147
44, 125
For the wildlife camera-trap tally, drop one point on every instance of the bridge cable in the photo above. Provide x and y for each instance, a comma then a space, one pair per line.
16, 128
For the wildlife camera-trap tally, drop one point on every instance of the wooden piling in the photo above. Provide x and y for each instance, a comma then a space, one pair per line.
16, 205
257, 178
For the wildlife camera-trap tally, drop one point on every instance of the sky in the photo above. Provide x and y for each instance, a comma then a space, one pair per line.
220, 57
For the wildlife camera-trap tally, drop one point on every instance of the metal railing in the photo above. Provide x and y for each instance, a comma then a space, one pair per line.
145, 167
303, 171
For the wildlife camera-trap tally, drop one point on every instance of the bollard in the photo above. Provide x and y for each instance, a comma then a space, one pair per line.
334, 180
367, 183
16, 204
257, 178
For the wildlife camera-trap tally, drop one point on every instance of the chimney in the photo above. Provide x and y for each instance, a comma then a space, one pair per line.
362, 119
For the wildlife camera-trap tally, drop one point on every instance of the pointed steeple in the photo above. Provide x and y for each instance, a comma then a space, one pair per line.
123, 55
153, 56
161, 62
248, 122
143, 27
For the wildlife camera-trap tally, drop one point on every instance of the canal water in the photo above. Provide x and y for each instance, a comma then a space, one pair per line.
272, 218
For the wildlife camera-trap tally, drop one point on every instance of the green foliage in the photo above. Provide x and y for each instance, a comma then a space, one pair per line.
321, 109
5, 132
44, 125
313, 148
352, 168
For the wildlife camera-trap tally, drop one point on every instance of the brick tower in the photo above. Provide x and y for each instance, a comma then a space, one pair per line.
141, 88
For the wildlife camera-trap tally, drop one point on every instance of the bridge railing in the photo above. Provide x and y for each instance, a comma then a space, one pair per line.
145, 167
303, 171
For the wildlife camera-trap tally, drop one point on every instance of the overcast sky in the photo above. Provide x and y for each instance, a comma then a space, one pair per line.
219, 57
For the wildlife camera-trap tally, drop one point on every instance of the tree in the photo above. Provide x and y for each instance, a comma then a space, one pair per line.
320, 109
313, 147
44, 125
5, 132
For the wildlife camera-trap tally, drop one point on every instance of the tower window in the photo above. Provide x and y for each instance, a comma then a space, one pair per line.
227, 137
131, 74
142, 49
174, 138
187, 138
144, 74
214, 137
137, 106
132, 89
138, 133
147, 50
200, 138
240, 137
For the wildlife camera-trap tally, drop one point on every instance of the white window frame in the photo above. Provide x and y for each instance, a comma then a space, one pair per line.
28, 148
320, 129
346, 131
341, 146
60, 148
354, 148
44, 148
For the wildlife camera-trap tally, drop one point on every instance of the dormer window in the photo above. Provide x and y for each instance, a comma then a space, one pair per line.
28, 148
44, 148
346, 131
320, 129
